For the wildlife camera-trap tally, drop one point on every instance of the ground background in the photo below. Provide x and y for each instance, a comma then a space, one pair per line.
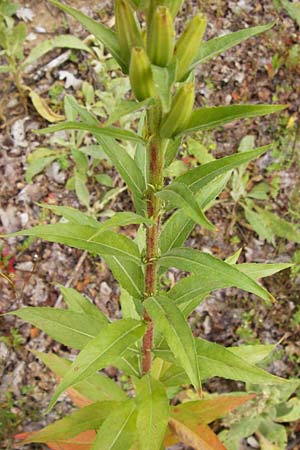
246, 73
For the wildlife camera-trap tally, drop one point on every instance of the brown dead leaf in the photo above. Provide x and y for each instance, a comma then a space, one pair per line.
43, 109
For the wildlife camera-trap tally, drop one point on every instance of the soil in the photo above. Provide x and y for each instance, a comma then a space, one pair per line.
247, 73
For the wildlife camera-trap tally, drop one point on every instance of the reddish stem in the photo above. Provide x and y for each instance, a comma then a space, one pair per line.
152, 237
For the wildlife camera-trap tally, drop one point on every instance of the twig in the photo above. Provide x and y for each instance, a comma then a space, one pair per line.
73, 278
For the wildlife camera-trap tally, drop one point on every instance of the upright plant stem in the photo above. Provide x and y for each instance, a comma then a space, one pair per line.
155, 154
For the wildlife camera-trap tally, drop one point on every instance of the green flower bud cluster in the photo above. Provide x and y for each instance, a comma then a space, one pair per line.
156, 46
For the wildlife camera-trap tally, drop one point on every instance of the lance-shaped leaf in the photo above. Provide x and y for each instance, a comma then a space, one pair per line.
131, 308
200, 176
180, 196
210, 267
111, 132
86, 238
208, 410
190, 291
102, 33
104, 349
189, 420
127, 168
236, 363
203, 438
81, 304
129, 274
118, 431
68, 327
216, 360
63, 41
96, 388
123, 219
153, 413
171, 323
81, 442
212, 117
89, 418
178, 227
126, 107
73, 215
208, 180
218, 45
257, 270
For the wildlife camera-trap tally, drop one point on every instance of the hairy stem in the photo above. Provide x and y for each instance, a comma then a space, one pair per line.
155, 150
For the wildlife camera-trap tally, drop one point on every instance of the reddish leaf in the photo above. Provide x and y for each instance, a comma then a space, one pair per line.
204, 439
83, 441
78, 399
210, 437
203, 412
202, 432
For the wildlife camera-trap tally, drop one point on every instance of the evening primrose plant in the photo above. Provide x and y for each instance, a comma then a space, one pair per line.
152, 343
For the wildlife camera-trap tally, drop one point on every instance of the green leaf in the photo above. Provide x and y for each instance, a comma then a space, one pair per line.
171, 323
191, 291
200, 176
118, 431
5, 69
73, 215
212, 117
207, 267
290, 412
104, 349
68, 327
128, 273
63, 41
259, 225
171, 150
141, 154
176, 376
180, 196
127, 168
81, 304
256, 271
216, 46
103, 34
112, 132
153, 413
164, 78
253, 354
280, 227
89, 418
97, 387
126, 107
123, 219
104, 179
233, 363
293, 10
119, 219
76, 109
38, 160
85, 237
178, 227
131, 308
81, 189
216, 360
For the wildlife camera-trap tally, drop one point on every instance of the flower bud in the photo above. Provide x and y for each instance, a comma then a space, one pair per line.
140, 74
188, 44
161, 37
127, 28
173, 5
177, 118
